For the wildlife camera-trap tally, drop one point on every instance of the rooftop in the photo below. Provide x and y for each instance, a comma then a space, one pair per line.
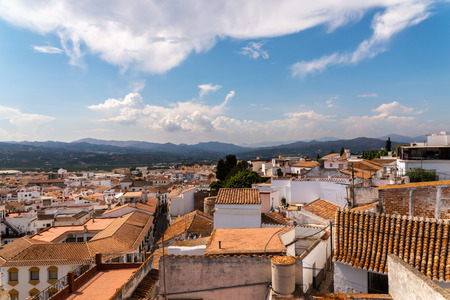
322, 208
247, 241
103, 285
415, 184
53, 234
238, 196
364, 240
195, 222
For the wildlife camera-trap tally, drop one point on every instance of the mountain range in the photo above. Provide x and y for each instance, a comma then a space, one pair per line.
95, 153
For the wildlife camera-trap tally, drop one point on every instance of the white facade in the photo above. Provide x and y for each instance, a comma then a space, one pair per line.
442, 167
237, 216
183, 203
348, 279
24, 285
296, 191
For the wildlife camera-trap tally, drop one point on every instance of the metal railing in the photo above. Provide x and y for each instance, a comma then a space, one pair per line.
62, 282
52, 289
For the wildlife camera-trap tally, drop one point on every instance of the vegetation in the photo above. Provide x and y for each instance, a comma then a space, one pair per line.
388, 144
371, 154
419, 175
232, 174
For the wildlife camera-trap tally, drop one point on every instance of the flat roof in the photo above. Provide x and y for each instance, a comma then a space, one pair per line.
53, 233
103, 285
247, 241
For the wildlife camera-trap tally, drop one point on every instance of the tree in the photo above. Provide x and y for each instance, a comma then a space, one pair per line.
221, 171
419, 175
241, 166
332, 151
388, 144
342, 151
230, 162
243, 179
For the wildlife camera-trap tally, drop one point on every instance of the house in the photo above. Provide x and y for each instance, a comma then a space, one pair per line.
319, 212
237, 208
131, 197
434, 154
364, 240
303, 167
181, 201
118, 211
193, 225
242, 251
29, 265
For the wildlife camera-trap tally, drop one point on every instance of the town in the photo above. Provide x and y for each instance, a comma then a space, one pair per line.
335, 226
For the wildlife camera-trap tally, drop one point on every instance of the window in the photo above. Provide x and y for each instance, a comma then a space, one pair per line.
34, 275
34, 292
378, 283
13, 275
52, 273
13, 294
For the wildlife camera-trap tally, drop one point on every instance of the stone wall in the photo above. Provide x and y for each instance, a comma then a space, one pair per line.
431, 201
215, 277
406, 282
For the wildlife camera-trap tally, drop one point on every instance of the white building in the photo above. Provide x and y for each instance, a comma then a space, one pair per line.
237, 208
431, 155
181, 201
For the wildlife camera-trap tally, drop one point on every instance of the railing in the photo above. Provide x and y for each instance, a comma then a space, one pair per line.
52, 289
62, 283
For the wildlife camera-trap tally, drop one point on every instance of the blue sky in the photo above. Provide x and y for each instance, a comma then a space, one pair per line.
242, 72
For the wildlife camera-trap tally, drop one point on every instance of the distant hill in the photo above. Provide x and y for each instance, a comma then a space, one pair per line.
93, 153
402, 139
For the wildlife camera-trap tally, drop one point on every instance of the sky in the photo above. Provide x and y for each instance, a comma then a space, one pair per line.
243, 72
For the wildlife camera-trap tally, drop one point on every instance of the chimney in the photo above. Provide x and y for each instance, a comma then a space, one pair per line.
220, 245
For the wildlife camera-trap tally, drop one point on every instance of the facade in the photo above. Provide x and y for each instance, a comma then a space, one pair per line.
237, 208
434, 154
181, 201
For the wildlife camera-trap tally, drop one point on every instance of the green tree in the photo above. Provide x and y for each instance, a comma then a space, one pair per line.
342, 151
419, 175
243, 179
221, 171
388, 144
230, 162
241, 166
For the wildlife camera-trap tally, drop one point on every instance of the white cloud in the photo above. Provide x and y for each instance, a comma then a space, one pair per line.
388, 117
47, 49
254, 50
28, 125
156, 36
396, 17
182, 116
206, 88
373, 95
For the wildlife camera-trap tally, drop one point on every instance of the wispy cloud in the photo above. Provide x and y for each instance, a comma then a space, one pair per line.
47, 49
153, 36
254, 50
386, 25
368, 95
207, 88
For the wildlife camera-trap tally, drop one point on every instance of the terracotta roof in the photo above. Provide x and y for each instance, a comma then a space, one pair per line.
322, 208
274, 218
124, 235
364, 174
157, 256
415, 184
238, 196
306, 164
193, 242
196, 222
331, 155
384, 161
366, 207
364, 240
247, 241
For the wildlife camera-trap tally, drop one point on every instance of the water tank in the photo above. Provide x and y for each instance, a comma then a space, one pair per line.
208, 206
283, 274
